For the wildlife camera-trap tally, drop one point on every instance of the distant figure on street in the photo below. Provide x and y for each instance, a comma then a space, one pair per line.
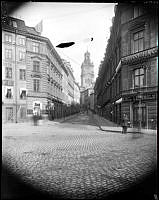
124, 123
35, 117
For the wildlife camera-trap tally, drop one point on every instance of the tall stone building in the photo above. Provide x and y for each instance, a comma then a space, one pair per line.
127, 77
32, 74
87, 81
71, 80
87, 72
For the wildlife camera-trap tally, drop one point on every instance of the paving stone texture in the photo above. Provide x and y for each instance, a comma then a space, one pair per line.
75, 159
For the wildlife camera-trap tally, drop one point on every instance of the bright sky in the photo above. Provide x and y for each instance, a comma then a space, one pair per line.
72, 22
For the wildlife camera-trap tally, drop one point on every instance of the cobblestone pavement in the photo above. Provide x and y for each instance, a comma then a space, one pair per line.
76, 160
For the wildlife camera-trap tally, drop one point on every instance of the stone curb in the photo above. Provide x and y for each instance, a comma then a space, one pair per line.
130, 130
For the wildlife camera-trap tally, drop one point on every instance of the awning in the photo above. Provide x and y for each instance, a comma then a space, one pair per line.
119, 101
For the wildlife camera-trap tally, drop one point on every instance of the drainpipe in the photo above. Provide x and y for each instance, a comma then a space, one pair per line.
16, 110
140, 112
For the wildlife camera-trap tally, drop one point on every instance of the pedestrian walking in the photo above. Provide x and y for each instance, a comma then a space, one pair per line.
35, 118
124, 124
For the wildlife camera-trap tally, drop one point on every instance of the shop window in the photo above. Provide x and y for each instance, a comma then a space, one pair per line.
36, 66
22, 74
36, 85
8, 53
35, 47
138, 41
8, 38
9, 93
8, 72
139, 77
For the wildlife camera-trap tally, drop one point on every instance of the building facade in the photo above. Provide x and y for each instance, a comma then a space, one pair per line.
65, 86
71, 81
76, 93
127, 78
32, 74
13, 71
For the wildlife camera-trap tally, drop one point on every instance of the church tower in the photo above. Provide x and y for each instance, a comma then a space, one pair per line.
87, 72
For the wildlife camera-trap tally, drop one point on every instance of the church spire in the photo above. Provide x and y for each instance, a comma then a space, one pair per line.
87, 71
87, 57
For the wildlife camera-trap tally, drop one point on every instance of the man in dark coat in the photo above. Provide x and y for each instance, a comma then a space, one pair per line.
124, 124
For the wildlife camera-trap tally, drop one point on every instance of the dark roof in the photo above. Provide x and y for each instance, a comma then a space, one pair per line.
9, 23
32, 30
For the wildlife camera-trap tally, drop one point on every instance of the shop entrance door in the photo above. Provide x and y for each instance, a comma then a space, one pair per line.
9, 114
136, 117
23, 113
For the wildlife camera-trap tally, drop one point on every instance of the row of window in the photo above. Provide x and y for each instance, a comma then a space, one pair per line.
8, 38
138, 78
137, 45
36, 88
22, 72
51, 70
136, 12
8, 73
8, 54
36, 68
56, 85
9, 94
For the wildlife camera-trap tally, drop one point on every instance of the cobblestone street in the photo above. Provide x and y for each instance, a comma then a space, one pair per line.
76, 160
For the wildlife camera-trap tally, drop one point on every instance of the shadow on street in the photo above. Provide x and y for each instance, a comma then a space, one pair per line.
12, 187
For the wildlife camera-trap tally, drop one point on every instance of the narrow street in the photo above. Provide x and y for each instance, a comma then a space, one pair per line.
79, 100
76, 160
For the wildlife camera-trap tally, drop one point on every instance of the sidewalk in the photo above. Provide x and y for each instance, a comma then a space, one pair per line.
40, 122
107, 125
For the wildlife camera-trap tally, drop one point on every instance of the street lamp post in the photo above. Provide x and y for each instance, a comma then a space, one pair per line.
16, 109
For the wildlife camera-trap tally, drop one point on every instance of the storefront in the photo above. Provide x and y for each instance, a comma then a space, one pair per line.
141, 108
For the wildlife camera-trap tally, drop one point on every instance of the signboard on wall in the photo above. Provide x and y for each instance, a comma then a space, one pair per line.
37, 107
